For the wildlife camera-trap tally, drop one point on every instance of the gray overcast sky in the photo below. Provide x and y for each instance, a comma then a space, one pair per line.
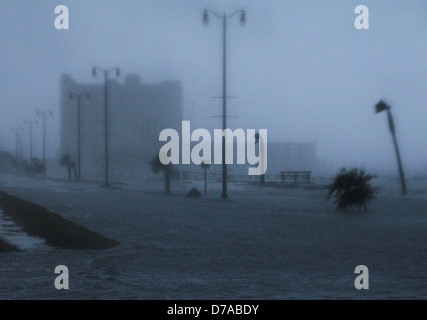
299, 68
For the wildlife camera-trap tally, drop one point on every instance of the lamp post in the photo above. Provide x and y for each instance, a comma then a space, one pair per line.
18, 147
43, 114
224, 17
30, 124
106, 72
79, 97
260, 140
382, 106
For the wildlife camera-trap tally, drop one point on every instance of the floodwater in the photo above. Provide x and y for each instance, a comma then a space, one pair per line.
263, 243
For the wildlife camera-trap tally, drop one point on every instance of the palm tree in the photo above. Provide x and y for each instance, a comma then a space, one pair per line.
66, 161
157, 166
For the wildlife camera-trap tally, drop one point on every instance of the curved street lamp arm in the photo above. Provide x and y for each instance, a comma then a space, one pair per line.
105, 71
234, 13
114, 69
223, 16
216, 14
98, 68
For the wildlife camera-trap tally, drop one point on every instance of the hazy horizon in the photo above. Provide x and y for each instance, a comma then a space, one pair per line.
300, 69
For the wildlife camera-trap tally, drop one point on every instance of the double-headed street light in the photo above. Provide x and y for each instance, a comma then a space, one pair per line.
224, 17
43, 114
79, 97
382, 106
106, 72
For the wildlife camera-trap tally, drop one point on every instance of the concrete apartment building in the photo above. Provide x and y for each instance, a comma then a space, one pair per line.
137, 113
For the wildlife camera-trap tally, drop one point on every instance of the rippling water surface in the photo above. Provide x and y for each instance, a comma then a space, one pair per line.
261, 244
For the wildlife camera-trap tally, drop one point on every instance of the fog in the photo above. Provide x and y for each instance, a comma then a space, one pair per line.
300, 69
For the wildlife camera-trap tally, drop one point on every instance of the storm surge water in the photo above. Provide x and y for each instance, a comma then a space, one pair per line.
265, 243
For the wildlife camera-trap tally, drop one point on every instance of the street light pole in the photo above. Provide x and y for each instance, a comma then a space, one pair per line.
18, 147
379, 107
43, 113
224, 107
224, 19
30, 124
79, 100
31, 141
106, 71
260, 140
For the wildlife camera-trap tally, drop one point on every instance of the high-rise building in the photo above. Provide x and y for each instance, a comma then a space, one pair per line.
137, 113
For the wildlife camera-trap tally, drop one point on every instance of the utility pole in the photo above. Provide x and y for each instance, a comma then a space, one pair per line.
18, 148
224, 17
30, 124
43, 113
